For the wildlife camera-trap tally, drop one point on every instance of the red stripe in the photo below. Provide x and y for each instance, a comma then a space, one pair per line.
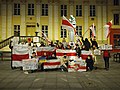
16, 57
52, 63
84, 57
40, 53
80, 67
67, 54
65, 22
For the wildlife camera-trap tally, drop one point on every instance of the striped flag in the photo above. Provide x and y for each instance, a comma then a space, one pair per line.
107, 28
19, 53
92, 28
67, 24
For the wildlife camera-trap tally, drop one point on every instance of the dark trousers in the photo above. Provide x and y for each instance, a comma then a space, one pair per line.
90, 66
106, 59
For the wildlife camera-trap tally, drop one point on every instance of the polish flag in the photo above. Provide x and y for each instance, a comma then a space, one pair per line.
92, 28
107, 28
67, 24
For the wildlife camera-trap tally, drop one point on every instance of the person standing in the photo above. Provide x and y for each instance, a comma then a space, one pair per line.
94, 43
106, 56
86, 43
78, 50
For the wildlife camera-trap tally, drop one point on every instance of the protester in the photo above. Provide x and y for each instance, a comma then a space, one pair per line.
106, 56
83, 47
86, 43
61, 46
94, 43
33, 55
68, 47
53, 56
51, 44
41, 64
78, 50
89, 62
64, 63
64, 43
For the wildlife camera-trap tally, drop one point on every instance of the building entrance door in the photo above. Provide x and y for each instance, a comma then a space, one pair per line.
30, 30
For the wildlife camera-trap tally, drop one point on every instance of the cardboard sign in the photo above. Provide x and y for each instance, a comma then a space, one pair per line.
35, 39
97, 52
105, 47
30, 64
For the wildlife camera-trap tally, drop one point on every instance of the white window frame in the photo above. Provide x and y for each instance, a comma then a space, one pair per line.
44, 9
92, 10
16, 29
64, 10
63, 33
45, 30
16, 9
78, 10
79, 30
31, 9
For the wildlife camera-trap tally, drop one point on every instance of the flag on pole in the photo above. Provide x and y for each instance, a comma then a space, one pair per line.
107, 28
92, 28
67, 24
45, 37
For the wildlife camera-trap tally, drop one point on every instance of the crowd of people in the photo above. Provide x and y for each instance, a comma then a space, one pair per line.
78, 46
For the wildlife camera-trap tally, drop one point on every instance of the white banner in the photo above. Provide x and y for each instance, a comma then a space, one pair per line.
30, 64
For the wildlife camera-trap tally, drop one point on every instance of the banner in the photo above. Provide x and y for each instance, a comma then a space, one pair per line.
30, 64
52, 64
47, 50
19, 52
79, 64
105, 47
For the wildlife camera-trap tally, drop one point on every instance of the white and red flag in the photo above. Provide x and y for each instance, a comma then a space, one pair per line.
19, 53
107, 28
92, 28
67, 24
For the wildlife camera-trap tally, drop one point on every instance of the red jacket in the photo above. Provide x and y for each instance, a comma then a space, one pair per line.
106, 53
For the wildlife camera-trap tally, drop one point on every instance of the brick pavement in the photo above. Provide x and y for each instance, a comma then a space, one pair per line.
99, 79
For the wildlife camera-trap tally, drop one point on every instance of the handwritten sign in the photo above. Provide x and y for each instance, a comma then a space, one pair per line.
30, 64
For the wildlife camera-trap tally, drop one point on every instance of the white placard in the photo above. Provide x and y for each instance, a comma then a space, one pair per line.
30, 64
35, 39
97, 52
105, 47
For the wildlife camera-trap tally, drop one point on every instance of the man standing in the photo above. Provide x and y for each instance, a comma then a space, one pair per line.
106, 55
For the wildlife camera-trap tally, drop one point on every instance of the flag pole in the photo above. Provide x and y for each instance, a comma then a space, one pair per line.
46, 38
86, 32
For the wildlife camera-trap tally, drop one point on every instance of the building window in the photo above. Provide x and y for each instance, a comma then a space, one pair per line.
63, 33
116, 19
116, 2
64, 10
91, 31
44, 9
92, 10
30, 9
116, 39
78, 10
45, 30
16, 30
79, 30
16, 9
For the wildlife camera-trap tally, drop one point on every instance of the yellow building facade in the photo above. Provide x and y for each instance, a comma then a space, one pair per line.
22, 17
